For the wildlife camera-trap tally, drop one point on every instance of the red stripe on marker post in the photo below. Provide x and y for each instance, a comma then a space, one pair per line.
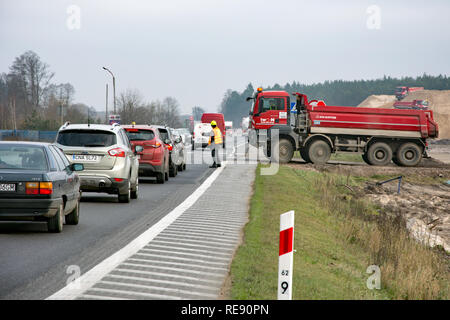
286, 237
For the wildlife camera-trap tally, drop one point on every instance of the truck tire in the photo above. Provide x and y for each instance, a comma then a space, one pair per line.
319, 152
285, 151
408, 154
379, 154
74, 217
364, 157
304, 155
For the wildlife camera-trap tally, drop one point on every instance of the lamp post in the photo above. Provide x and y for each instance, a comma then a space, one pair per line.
114, 87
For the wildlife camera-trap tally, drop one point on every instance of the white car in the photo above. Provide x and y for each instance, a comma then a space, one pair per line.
200, 138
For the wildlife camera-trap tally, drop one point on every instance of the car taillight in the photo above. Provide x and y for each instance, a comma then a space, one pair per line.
169, 146
45, 188
117, 152
39, 187
118, 179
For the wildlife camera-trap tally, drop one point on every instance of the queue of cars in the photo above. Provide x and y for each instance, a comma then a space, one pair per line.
44, 181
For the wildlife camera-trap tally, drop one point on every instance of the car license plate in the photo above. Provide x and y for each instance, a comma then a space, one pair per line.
7, 187
85, 157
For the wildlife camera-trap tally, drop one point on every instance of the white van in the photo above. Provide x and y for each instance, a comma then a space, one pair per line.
200, 138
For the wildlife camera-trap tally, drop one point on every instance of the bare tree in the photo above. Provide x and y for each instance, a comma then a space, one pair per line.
33, 76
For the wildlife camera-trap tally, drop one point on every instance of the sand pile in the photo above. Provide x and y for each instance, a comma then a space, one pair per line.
378, 101
438, 100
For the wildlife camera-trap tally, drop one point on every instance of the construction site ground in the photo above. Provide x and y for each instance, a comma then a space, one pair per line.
424, 198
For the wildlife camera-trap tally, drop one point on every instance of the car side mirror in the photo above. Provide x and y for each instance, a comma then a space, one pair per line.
250, 113
178, 140
77, 167
249, 98
138, 149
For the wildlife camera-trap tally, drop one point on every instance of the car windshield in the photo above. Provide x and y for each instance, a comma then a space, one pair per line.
23, 157
86, 138
142, 135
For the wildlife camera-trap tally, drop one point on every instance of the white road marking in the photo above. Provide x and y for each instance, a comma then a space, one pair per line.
94, 275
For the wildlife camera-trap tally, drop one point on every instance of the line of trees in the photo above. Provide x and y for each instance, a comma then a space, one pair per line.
132, 108
29, 100
338, 92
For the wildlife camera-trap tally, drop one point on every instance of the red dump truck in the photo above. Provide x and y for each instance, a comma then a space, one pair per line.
317, 131
401, 92
415, 104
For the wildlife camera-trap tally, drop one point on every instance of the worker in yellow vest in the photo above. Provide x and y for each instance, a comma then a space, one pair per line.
215, 141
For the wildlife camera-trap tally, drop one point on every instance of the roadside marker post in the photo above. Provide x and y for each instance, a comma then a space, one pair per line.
285, 260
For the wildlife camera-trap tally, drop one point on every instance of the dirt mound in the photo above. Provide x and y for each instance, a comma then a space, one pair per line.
378, 101
438, 100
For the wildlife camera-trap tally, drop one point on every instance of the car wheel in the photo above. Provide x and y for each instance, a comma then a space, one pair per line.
125, 198
173, 170
161, 177
134, 193
184, 167
180, 168
193, 146
73, 217
55, 223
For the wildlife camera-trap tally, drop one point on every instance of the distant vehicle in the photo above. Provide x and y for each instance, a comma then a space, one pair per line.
185, 134
154, 158
201, 135
178, 142
401, 92
173, 146
229, 127
110, 163
37, 183
245, 125
218, 117
415, 105
114, 118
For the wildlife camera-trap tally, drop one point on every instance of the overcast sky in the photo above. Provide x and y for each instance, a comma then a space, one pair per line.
194, 50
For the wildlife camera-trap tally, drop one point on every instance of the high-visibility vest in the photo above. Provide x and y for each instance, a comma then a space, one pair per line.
217, 136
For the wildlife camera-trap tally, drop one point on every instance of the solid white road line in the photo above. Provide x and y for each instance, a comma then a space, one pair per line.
87, 280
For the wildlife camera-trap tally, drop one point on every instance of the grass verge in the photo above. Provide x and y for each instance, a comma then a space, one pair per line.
337, 236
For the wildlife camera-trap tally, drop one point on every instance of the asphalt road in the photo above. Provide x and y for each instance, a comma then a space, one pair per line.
35, 264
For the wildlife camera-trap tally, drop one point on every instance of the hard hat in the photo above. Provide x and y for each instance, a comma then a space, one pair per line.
214, 123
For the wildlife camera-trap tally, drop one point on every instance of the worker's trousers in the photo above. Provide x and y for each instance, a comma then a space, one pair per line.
215, 152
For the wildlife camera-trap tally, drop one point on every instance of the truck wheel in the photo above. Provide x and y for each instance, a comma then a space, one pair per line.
379, 154
285, 151
73, 217
304, 155
409, 154
55, 223
364, 157
319, 152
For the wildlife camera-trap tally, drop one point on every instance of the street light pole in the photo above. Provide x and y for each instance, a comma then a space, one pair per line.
114, 87
106, 105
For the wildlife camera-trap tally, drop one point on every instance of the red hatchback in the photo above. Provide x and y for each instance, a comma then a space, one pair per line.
154, 159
